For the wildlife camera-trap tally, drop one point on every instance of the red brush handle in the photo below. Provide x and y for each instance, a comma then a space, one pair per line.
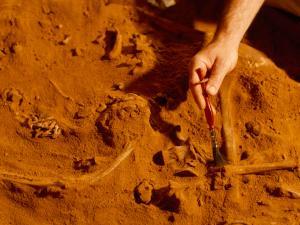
210, 118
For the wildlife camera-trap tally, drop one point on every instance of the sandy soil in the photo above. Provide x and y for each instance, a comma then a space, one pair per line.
98, 125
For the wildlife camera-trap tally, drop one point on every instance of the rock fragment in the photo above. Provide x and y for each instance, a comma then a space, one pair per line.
16, 48
144, 191
2, 53
84, 165
283, 191
186, 172
13, 96
66, 40
181, 135
82, 113
119, 86
175, 197
76, 51
254, 129
101, 107
43, 192
59, 26
98, 39
117, 46
182, 160
171, 197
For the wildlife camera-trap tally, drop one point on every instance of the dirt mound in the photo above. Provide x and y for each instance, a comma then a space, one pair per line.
124, 119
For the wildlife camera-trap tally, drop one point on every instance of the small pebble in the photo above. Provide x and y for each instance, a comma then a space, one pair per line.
119, 86
262, 203
245, 179
244, 155
1, 54
98, 39
82, 113
101, 108
16, 48
84, 165
59, 26
76, 52
66, 40
181, 135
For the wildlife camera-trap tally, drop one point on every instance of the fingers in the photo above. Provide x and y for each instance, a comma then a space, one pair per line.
197, 94
217, 76
194, 81
200, 69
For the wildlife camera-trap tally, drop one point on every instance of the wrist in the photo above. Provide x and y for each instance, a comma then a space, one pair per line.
226, 40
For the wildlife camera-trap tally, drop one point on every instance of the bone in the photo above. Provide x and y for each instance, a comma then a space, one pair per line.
43, 127
32, 180
262, 168
60, 91
67, 182
90, 179
233, 195
226, 108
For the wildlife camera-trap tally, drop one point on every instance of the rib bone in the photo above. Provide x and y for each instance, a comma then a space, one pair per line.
67, 182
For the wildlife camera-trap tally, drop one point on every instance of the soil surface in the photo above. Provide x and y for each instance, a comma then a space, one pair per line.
98, 125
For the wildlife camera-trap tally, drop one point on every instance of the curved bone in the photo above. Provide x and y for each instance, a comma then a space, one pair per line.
226, 108
67, 182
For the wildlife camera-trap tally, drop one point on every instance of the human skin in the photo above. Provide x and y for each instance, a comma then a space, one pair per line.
220, 56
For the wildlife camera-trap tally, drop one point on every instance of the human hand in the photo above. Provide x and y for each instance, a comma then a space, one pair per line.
214, 61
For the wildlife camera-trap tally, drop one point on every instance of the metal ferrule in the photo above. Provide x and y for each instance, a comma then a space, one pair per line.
214, 142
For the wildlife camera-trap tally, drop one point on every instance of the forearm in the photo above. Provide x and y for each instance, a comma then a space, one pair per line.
236, 19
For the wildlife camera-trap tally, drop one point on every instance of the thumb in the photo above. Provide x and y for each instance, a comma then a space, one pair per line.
217, 76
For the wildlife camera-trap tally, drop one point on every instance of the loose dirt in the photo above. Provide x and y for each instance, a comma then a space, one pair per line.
98, 125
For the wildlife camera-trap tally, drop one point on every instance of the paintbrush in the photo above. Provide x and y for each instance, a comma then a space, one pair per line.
219, 159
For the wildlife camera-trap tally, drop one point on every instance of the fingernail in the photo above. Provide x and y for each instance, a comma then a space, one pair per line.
212, 90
